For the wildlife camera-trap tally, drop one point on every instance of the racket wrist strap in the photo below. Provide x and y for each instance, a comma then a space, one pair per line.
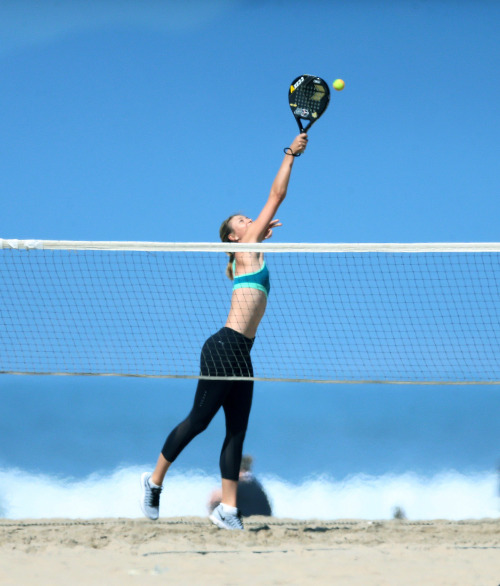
288, 151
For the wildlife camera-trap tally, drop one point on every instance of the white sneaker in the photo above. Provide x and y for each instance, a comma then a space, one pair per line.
150, 498
226, 520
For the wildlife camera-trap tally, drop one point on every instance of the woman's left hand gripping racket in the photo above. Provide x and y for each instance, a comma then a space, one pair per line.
308, 97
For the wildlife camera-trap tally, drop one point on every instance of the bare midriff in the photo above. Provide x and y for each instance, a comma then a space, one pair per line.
247, 309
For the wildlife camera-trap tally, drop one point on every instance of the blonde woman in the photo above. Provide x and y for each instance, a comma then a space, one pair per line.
227, 354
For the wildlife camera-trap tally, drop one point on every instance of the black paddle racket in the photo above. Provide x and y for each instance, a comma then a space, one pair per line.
308, 97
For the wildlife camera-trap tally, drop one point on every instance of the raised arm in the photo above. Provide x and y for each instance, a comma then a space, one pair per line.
258, 230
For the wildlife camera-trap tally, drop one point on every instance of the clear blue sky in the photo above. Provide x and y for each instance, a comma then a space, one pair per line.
156, 119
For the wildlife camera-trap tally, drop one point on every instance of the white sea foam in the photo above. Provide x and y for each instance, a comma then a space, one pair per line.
449, 495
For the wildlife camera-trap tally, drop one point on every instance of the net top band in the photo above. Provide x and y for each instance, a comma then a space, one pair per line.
355, 247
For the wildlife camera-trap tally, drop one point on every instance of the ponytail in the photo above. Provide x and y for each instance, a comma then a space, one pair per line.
224, 232
229, 268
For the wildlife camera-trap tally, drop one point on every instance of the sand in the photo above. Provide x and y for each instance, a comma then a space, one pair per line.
270, 551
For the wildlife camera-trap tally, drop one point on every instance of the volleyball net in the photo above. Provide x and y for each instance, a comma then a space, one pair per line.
393, 313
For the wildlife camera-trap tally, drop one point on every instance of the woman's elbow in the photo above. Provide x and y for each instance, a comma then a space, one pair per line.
278, 195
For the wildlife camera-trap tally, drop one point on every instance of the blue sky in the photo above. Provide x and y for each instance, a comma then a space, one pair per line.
154, 120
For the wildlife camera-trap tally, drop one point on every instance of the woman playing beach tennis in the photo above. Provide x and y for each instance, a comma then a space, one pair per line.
227, 354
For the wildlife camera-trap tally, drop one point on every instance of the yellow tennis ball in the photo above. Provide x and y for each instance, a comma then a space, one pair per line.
339, 84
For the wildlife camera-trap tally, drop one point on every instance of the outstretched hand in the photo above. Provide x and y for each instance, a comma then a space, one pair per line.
272, 224
299, 143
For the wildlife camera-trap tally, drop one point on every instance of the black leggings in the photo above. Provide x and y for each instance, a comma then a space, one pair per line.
226, 353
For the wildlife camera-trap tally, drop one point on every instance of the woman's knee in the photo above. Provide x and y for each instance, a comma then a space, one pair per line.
198, 424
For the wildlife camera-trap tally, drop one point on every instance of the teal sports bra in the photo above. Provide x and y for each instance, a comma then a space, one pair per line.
256, 280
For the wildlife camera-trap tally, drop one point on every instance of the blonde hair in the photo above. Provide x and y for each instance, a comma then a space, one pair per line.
224, 231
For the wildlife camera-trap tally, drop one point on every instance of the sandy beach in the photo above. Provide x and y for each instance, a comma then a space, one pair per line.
269, 551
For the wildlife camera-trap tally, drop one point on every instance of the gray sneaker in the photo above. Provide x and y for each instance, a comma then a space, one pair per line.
225, 520
150, 498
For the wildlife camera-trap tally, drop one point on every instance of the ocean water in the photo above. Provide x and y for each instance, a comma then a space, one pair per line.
75, 447
449, 495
